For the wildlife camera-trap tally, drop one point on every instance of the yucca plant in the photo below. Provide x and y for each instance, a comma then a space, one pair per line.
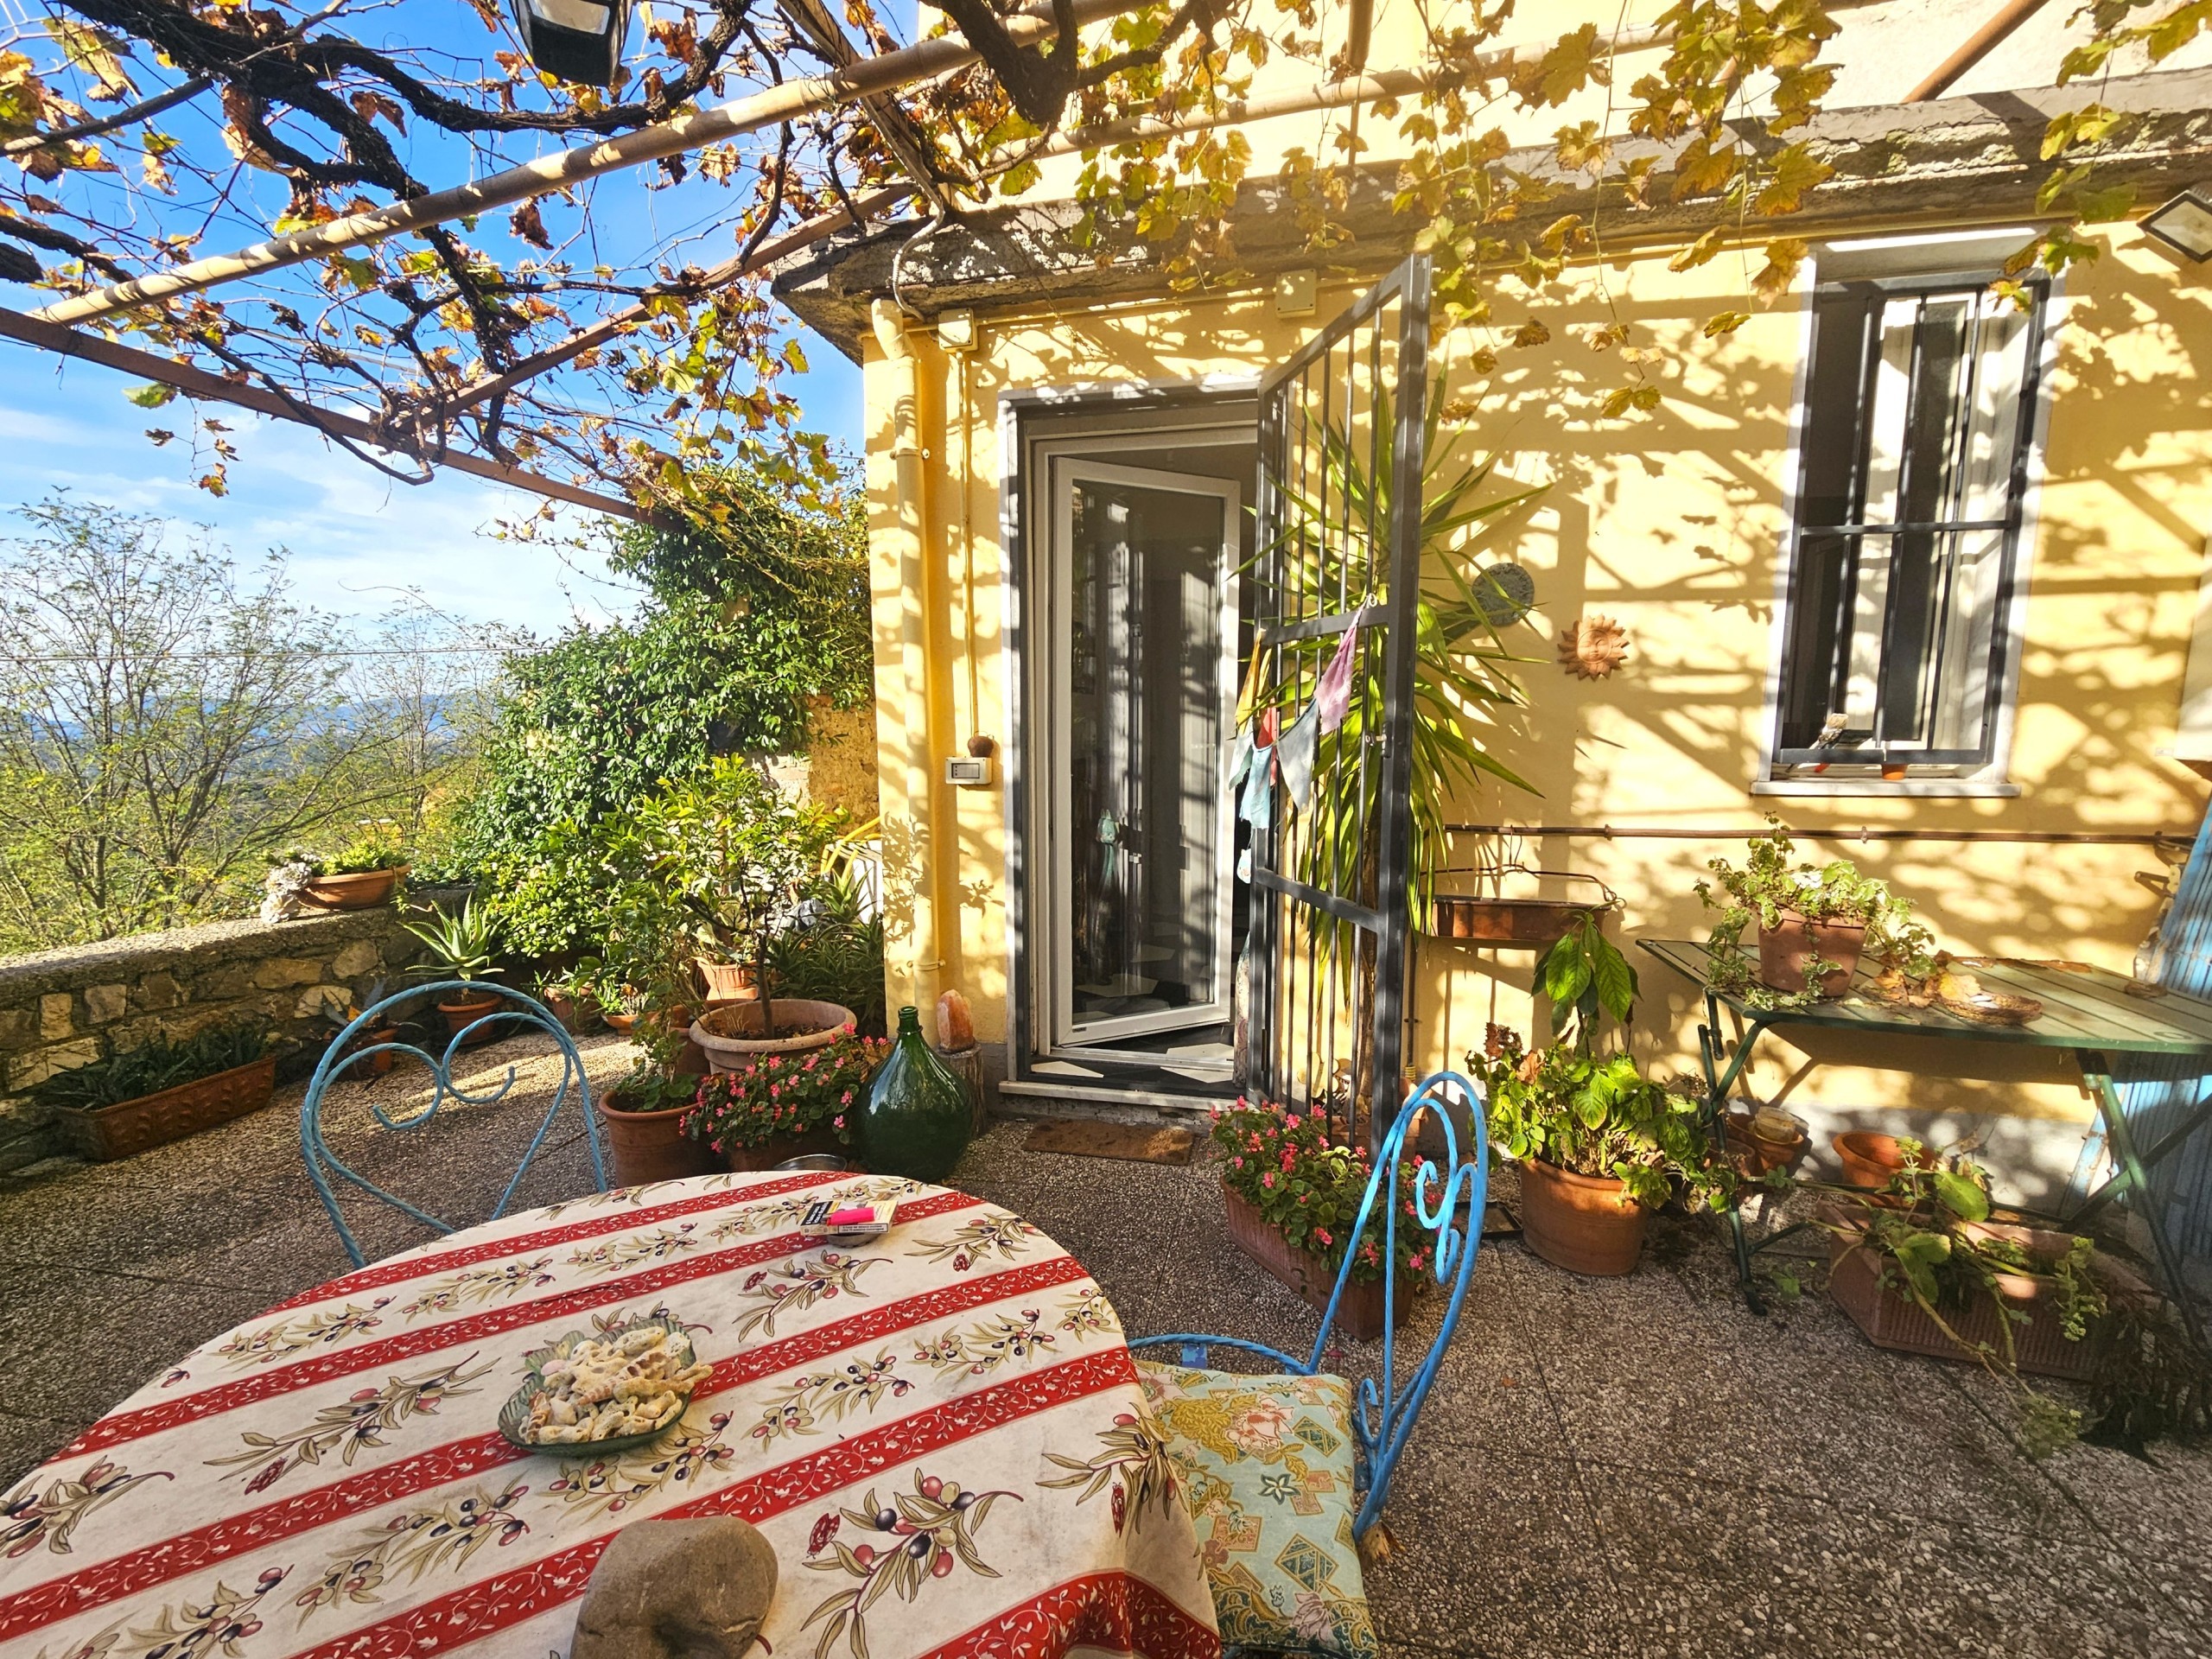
1332, 555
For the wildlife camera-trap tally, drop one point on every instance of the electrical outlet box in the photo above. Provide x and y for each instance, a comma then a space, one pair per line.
1298, 293
968, 771
956, 330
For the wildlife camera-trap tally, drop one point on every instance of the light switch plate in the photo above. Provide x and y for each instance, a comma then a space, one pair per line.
967, 771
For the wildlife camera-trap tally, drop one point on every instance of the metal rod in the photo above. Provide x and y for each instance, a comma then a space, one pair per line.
1972, 50
924, 60
198, 383
1867, 832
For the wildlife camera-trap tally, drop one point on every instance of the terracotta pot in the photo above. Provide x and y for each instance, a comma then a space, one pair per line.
1310, 1278
1784, 950
621, 1023
730, 1034
1755, 1154
362, 890
132, 1126
577, 1014
1870, 1159
651, 1146
1889, 1319
778, 1148
725, 982
377, 1064
462, 1012
1585, 1223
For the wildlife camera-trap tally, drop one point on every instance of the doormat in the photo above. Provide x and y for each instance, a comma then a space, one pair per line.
1131, 1142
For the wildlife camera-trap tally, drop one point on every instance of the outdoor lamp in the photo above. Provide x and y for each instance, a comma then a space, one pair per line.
2184, 224
577, 40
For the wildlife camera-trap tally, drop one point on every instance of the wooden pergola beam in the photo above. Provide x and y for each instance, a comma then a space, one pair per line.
199, 382
794, 101
1972, 50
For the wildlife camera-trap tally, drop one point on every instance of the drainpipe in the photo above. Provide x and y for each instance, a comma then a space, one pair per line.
918, 604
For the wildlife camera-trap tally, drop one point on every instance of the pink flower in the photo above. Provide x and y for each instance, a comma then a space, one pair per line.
1236, 1163
838, 1122
1291, 1121
1269, 1179
1324, 1236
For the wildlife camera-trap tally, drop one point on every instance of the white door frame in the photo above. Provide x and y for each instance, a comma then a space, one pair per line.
1063, 466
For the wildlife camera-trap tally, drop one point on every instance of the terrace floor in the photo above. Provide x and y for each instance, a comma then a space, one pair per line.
1633, 1466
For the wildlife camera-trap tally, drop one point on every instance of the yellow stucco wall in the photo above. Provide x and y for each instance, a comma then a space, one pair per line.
1672, 524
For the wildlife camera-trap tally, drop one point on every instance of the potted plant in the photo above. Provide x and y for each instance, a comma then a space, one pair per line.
1815, 922
461, 947
362, 874
644, 1119
571, 996
1292, 1197
1598, 1144
162, 1091
777, 1106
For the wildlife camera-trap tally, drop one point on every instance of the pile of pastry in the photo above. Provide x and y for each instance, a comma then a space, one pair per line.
632, 1383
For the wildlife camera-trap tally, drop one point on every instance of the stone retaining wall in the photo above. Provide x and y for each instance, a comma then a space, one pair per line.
67, 1007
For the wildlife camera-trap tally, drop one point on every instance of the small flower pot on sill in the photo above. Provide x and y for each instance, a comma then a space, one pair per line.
108, 1133
1310, 1278
1787, 951
651, 1146
360, 890
1585, 1223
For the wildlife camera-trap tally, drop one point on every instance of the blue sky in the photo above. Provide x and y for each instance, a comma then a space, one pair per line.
352, 533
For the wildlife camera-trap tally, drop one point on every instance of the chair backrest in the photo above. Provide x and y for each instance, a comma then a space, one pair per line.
516, 1013
1385, 1411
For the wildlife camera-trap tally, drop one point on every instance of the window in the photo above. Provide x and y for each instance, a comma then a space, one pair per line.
1918, 414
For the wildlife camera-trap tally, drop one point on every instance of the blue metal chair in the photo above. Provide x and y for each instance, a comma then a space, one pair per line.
520, 1011
1385, 1413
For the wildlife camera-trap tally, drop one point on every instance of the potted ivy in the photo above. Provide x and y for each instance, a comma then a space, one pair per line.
462, 947
1599, 1145
162, 1091
1813, 922
362, 874
773, 1107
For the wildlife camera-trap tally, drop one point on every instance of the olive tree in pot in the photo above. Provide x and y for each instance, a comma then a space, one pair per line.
739, 862
1599, 1145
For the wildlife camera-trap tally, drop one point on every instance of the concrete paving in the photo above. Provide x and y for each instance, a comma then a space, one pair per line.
1633, 1466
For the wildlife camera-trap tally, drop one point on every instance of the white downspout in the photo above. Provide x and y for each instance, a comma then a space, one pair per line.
917, 595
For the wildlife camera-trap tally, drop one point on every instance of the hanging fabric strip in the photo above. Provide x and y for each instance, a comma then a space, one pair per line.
1332, 695
1258, 807
1295, 750
1240, 760
1247, 698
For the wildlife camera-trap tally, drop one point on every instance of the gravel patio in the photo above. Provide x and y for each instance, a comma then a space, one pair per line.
1633, 1466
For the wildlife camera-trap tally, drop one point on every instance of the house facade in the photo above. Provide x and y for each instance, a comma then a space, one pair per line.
1911, 568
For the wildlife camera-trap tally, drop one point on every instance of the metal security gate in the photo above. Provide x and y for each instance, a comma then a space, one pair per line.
1325, 762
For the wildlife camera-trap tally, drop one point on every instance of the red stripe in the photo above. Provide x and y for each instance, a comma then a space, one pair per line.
399, 1271
1116, 1612
220, 1540
119, 1427
480, 1609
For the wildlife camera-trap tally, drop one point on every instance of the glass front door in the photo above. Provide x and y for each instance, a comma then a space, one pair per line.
1145, 682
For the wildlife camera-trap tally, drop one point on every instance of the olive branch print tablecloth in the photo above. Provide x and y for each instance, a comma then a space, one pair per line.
940, 1431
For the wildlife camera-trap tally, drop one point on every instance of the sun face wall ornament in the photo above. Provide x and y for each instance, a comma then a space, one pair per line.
1592, 647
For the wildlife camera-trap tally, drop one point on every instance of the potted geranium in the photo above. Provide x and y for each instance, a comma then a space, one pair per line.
1815, 922
461, 947
644, 1118
1598, 1144
162, 1091
1293, 1197
772, 1107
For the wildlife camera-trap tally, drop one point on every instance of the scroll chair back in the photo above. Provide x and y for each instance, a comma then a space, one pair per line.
1386, 1402
516, 1013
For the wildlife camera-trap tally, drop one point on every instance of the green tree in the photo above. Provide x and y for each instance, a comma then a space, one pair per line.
162, 725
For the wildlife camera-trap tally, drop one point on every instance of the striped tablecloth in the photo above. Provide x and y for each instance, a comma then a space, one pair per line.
940, 1431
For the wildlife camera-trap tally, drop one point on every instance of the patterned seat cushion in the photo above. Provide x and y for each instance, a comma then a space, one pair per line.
1266, 1466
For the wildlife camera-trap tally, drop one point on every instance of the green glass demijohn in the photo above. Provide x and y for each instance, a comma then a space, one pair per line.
919, 1115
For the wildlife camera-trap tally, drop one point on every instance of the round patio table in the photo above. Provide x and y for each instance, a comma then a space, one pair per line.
939, 1430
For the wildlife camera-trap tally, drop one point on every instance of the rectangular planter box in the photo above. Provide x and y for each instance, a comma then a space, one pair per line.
1890, 1321
1360, 1313
133, 1126
1503, 921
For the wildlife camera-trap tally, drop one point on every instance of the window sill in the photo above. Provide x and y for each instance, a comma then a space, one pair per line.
1925, 789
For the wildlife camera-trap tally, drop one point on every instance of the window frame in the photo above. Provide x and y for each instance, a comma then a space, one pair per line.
1894, 763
